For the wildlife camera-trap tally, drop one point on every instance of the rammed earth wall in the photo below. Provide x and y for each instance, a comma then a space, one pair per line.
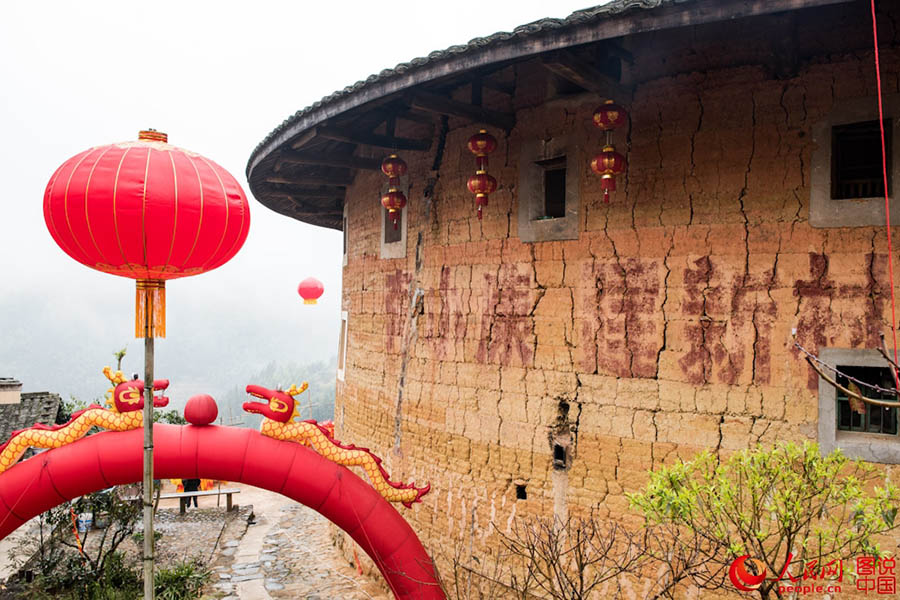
664, 329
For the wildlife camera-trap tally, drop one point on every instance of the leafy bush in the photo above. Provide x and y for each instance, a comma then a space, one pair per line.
785, 506
182, 582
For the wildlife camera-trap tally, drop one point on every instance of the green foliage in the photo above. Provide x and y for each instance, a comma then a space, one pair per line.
173, 417
99, 572
771, 502
182, 582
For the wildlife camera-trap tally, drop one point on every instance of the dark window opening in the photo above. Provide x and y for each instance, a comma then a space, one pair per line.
856, 166
391, 234
521, 494
559, 456
870, 418
554, 187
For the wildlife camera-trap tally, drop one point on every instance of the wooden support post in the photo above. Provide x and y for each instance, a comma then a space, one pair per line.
148, 462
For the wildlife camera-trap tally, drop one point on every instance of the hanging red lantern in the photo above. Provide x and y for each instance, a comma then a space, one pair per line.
608, 164
610, 116
148, 211
394, 200
481, 144
481, 184
310, 289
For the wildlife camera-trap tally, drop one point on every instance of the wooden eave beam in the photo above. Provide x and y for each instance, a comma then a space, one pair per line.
372, 139
584, 74
324, 160
435, 103
294, 188
332, 180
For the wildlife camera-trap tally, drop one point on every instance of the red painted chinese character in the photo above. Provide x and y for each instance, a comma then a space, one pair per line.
833, 571
887, 585
865, 565
886, 566
810, 572
787, 563
864, 584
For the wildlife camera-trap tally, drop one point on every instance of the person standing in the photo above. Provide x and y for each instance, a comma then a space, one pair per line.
191, 485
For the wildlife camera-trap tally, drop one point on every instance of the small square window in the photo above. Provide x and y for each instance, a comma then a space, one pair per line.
521, 492
856, 165
869, 432
559, 457
554, 187
869, 418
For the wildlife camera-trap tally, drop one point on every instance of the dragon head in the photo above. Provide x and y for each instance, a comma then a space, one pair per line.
280, 406
128, 394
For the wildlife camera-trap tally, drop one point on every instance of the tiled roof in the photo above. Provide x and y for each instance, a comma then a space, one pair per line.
523, 31
40, 407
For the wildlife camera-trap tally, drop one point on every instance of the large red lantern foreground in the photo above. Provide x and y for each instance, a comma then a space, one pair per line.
149, 211
310, 289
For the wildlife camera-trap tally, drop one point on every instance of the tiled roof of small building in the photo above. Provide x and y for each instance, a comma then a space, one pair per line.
530, 29
39, 407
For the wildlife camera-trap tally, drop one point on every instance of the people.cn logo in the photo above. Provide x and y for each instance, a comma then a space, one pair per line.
743, 579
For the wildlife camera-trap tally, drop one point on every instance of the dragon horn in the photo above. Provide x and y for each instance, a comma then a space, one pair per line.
294, 391
108, 372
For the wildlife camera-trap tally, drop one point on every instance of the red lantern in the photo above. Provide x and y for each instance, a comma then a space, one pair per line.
310, 289
149, 211
394, 201
481, 184
610, 116
481, 144
608, 164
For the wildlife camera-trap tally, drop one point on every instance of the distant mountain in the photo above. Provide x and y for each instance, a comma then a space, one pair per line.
315, 403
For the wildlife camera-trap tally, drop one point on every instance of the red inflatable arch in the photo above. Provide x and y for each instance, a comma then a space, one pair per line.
232, 454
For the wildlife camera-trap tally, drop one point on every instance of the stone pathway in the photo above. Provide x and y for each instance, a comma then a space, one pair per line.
287, 553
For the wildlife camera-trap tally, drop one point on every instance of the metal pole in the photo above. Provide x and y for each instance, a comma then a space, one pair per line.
148, 461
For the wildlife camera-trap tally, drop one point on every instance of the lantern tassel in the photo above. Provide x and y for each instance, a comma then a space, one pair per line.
150, 308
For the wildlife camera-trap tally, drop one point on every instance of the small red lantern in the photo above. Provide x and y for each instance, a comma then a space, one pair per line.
310, 289
394, 167
481, 184
610, 116
608, 164
481, 144
394, 200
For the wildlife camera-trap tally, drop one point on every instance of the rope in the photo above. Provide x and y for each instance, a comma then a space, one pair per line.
859, 382
887, 203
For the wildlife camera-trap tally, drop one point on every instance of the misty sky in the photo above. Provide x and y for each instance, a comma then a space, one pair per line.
217, 77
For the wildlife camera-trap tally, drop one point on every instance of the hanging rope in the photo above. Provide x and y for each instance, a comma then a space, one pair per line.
887, 203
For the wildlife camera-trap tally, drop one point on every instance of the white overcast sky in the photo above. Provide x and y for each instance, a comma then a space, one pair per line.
217, 77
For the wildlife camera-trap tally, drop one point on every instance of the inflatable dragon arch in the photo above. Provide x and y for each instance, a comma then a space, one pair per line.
125, 412
279, 412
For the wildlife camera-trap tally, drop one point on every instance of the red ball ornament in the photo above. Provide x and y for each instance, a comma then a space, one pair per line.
148, 211
201, 410
310, 289
608, 164
610, 116
394, 200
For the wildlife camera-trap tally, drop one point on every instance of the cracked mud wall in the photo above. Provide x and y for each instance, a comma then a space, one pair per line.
666, 327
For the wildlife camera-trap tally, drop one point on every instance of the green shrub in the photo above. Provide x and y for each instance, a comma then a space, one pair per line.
182, 582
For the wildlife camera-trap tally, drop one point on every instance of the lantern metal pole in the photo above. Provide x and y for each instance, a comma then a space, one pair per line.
148, 458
